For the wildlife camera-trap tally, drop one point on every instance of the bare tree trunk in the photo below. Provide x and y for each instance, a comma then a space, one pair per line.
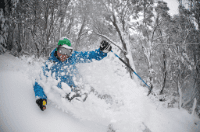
10, 36
19, 47
8, 12
70, 25
19, 25
148, 55
8, 9
114, 22
194, 106
181, 95
45, 35
164, 72
80, 34
179, 87
51, 27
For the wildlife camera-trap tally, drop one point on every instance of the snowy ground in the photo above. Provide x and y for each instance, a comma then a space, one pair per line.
126, 107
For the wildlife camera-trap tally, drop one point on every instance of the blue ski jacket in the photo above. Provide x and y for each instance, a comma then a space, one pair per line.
66, 71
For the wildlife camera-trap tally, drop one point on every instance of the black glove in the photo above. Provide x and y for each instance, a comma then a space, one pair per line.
78, 96
41, 103
105, 46
72, 95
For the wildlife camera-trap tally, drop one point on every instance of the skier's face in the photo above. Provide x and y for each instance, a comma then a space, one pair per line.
62, 57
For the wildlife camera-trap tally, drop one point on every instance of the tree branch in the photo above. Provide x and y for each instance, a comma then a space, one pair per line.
111, 42
155, 28
172, 44
160, 37
186, 37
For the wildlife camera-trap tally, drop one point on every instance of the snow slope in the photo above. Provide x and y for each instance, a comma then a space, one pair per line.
18, 110
125, 108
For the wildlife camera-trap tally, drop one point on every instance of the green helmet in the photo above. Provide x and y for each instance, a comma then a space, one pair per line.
64, 43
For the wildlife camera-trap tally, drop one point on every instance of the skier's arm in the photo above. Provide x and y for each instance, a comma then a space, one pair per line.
88, 56
39, 92
41, 98
99, 54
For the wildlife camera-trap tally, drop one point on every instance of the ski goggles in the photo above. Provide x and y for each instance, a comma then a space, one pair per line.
64, 51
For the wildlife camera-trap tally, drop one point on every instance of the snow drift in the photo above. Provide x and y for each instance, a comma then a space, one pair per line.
115, 102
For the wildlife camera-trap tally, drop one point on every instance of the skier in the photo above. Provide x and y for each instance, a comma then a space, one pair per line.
64, 59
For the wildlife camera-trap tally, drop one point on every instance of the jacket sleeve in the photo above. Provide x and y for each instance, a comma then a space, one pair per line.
39, 93
88, 56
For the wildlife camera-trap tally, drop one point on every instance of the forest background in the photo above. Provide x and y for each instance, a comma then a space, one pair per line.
163, 49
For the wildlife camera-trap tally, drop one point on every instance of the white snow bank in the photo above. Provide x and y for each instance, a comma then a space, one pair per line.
18, 110
126, 108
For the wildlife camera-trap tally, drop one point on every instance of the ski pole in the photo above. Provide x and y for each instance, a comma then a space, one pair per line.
132, 71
